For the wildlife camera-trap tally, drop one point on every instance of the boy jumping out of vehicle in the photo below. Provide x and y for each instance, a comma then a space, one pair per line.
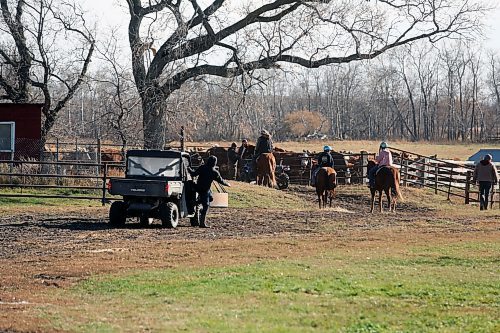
207, 173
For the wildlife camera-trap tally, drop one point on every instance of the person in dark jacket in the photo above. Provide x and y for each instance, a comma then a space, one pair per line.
264, 144
232, 160
324, 159
243, 149
206, 173
486, 175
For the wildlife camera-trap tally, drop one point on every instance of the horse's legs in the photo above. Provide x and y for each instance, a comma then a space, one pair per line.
372, 192
380, 201
319, 199
389, 199
325, 198
269, 181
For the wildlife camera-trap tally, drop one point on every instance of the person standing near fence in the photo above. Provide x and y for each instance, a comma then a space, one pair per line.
486, 175
232, 161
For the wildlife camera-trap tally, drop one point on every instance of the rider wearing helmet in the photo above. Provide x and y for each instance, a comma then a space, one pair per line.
324, 159
384, 158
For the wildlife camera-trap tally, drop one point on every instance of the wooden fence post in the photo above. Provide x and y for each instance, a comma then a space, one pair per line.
449, 183
77, 154
436, 178
310, 171
104, 178
405, 179
98, 155
364, 166
58, 167
467, 187
421, 171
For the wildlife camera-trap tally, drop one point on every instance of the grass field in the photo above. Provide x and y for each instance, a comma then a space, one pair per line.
427, 288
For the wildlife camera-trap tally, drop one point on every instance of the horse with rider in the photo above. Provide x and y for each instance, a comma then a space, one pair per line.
264, 161
384, 177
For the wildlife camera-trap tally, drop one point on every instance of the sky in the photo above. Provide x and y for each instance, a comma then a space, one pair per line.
113, 13
493, 32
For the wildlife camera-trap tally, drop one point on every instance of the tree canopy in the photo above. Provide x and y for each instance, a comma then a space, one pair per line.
191, 38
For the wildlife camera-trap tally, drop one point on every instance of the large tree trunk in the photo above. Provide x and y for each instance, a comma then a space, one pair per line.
153, 118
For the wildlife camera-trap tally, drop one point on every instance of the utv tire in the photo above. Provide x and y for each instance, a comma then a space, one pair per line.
283, 181
169, 215
117, 214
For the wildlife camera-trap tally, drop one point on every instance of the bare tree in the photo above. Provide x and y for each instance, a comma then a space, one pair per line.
118, 96
494, 86
47, 45
227, 40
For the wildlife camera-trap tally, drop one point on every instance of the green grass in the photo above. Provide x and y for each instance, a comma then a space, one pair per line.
243, 195
40, 201
424, 289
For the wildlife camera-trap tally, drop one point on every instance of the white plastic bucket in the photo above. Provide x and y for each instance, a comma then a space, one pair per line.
221, 200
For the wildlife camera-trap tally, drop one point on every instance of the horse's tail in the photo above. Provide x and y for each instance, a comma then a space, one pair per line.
272, 165
396, 189
332, 180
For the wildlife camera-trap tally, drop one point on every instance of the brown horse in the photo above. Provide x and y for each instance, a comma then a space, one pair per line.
266, 165
326, 181
386, 180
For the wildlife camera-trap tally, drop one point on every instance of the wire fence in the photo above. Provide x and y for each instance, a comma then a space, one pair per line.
68, 180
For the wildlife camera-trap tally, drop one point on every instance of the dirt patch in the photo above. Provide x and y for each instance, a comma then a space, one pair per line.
44, 251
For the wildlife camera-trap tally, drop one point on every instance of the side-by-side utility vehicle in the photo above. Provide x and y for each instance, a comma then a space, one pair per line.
157, 185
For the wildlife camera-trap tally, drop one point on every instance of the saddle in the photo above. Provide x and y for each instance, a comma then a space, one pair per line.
382, 167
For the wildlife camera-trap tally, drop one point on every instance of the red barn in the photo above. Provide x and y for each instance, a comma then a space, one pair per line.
20, 130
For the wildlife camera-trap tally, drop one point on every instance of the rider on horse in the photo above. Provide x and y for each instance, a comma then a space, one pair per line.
324, 159
384, 158
264, 144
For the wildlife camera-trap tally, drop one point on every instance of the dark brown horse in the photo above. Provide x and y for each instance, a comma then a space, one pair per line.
386, 180
266, 165
326, 181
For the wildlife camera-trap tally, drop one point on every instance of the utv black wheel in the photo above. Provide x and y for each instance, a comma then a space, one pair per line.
195, 220
283, 181
169, 215
117, 214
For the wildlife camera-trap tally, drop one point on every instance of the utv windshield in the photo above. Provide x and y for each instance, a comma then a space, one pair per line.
153, 166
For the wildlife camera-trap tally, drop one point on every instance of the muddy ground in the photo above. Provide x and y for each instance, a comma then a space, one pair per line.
45, 249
